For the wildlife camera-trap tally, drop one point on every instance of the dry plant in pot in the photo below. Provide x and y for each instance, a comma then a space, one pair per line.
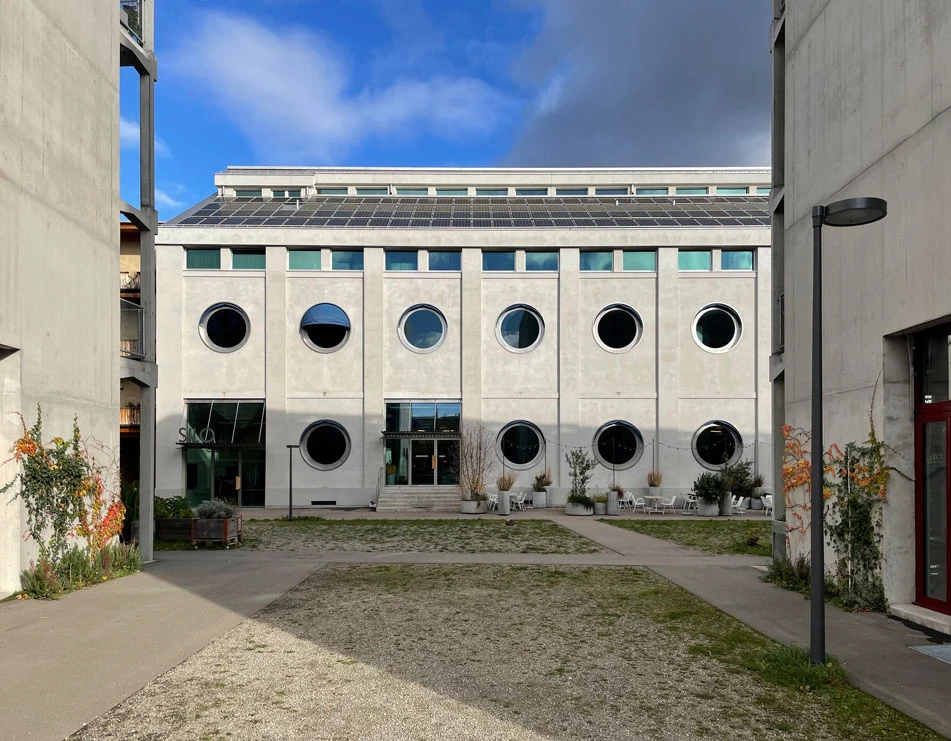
654, 478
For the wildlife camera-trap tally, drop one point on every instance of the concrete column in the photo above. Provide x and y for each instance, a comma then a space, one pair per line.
762, 462
373, 329
10, 508
277, 433
669, 334
569, 366
146, 471
471, 317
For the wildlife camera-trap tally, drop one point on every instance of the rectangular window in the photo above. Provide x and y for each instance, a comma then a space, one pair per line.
610, 191
412, 191
373, 191
571, 191
531, 191
452, 191
203, 259
736, 260
445, 260
252, 193
694, 260
227, 422
692, 191
603, 261
498, 261
732, 191
285, 192
248, 260
303, 259
492, 191
332, 191
541, 261
448, 415
763, 191
642, 261
346, 260
651, 191
408, 260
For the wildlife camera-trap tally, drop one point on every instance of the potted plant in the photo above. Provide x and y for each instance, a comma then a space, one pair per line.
739, 483
540, 486
504, 484
710, 488
654, 478
216, 523
174, 519
601, 504
756, 498
474, 464
615, 494
580, 465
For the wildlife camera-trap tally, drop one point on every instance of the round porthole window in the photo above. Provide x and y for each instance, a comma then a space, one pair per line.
224, 327
422, 328
521, 444
717, 328
617, 328
618, 445
325, 445
716, 443
325, 327
520, 328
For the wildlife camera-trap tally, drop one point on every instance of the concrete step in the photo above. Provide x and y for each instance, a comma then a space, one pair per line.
419, 499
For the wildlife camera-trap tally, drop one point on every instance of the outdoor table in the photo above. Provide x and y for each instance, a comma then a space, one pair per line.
654, 499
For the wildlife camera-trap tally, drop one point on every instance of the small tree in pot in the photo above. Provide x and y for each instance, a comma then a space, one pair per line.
580, 465
540, 486
739, 480
710, 488
474, 465
756, 498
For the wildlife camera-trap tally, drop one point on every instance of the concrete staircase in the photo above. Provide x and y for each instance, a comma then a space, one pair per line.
418, 499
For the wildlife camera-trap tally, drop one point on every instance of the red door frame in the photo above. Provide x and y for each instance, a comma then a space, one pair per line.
925, 413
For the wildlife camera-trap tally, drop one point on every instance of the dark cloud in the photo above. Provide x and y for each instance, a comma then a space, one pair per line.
647, 83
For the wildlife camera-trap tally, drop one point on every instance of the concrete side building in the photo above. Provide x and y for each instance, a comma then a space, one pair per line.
360, 313
59, 232
862, 94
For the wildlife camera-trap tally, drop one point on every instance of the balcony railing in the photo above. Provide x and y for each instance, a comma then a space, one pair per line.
130, 416
130, 281
131, 330
130, 15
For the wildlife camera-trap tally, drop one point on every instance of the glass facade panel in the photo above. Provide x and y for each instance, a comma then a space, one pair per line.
643, 261
445, 261
531, 191
617, 444
249, 423
252, 478
423, 462
520, 444
932, 350
248, 260
402, 260
399, 416
424, 416
492, 191
198, 467
225, 422
423, 329
396, 462
332, 191
694, 260
520, 329
373, 191
203, 259
448, 416
736, 260
412, 191
498, 261
452, 191
541, 261
717, 444
935, 467
692, 191
303, 259
763, 191
610, 191
651, 191
571, 191
603, 261
447, 462
346, 260
732, 191
251, 193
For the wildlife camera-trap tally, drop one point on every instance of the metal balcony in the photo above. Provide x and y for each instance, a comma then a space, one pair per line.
130, 15
131, 330
130, 416
130, 281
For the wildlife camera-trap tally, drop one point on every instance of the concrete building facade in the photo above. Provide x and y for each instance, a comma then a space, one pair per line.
862, 94
59, 236
359, 313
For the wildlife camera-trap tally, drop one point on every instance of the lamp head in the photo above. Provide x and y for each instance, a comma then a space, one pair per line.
855, 212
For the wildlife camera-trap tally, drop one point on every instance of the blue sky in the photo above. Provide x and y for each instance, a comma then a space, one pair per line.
451, 83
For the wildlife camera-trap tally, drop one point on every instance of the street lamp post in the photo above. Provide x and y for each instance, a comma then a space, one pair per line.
850, 212
290, 480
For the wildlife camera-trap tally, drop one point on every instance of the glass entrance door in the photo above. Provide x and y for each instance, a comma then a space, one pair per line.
934, 559
233, 475
423, 462
447, 462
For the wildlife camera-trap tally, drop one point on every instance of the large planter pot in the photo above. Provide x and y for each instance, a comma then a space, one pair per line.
175, 529
504, 504
613, 507
226, 532
600, 508
756, 501
540, 499
557, 496
578, 509
473, 507
708, 509
726, 506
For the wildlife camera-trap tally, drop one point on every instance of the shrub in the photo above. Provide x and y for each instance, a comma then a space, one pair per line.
40, 581
580, 465
710, 487
751, 535
600, 499
77, 570
505, 481
654, 478
167, 508
758, 481
541, 481
214, 509
474, 460
738, 478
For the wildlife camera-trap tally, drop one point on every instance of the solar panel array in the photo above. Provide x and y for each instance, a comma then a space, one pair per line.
386, 212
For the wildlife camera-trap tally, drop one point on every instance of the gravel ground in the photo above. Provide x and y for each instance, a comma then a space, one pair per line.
467, 652
415, 536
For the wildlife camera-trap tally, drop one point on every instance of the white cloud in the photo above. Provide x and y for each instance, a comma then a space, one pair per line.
164, 200
291, 93
129, 138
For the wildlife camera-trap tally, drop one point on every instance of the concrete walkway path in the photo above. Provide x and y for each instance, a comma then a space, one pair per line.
64, 663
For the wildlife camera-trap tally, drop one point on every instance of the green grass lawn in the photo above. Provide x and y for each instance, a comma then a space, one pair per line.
713, 535
416, 536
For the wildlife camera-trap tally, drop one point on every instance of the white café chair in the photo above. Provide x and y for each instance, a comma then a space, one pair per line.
640, 502
690, 501
518, 501
767, 504
736, 505
668, 504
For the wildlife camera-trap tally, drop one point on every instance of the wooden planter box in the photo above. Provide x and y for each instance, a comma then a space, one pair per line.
195, 531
